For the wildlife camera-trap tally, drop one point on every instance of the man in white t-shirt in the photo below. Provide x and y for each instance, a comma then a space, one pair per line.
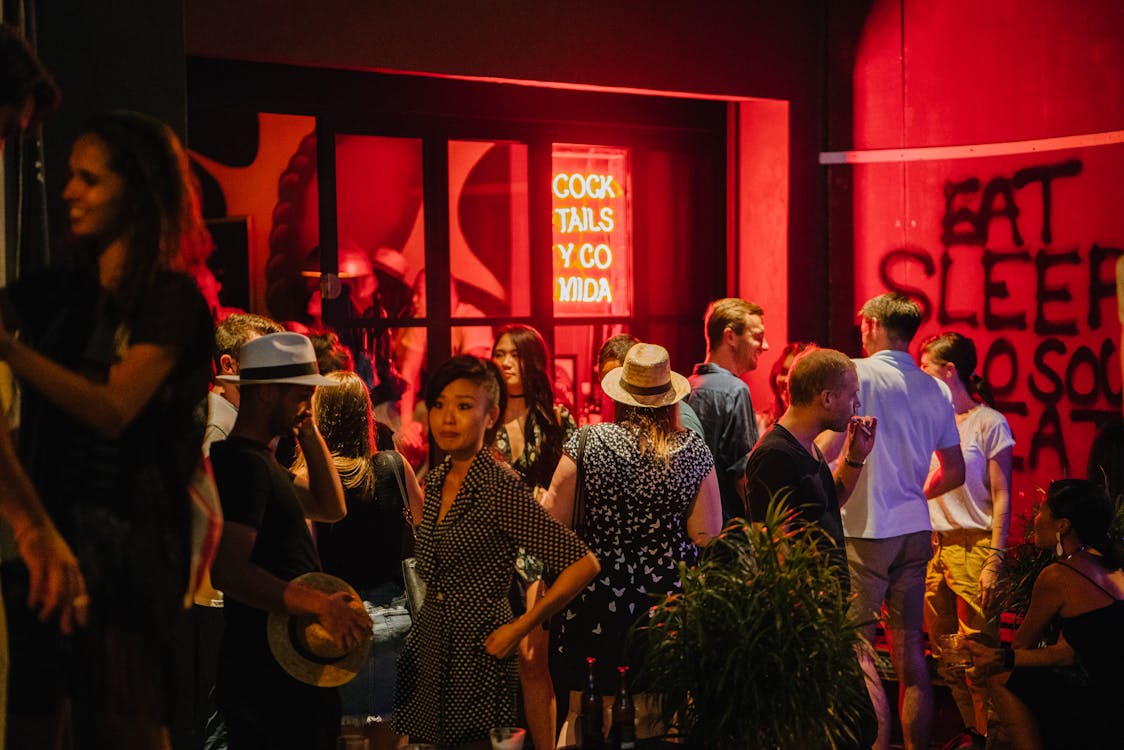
886, 521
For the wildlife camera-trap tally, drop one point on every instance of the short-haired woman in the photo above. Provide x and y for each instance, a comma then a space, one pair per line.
457, 677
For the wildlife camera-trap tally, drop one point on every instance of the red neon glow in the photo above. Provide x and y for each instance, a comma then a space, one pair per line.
592, 243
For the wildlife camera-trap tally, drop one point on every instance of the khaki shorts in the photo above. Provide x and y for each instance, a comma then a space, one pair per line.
890, 571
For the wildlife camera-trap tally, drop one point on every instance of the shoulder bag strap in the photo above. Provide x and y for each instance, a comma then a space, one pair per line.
399, 473
577, 518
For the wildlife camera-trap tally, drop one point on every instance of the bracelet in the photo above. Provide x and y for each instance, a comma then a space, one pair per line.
1007, 658
854, 464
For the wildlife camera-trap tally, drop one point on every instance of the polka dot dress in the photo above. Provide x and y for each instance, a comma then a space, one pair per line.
449, 689
636, 515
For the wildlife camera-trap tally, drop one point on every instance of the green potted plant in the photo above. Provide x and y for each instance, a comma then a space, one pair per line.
757, 650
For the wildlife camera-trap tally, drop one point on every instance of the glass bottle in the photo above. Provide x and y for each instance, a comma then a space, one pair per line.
591, 711
624, 716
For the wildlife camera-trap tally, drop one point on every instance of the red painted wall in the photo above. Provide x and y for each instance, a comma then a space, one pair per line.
1015, 251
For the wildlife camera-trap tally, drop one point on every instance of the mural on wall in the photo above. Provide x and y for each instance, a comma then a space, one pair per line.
265, 171
1016, 250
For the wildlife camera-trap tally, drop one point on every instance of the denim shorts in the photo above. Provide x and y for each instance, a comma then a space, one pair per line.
371, 693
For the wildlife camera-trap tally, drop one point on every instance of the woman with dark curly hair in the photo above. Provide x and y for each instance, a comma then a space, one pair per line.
115, 357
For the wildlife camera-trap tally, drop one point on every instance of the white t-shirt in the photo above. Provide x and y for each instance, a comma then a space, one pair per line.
984, 432
915, 418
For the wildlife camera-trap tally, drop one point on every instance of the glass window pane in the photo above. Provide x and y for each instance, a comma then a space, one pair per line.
591, 214
380, 216
474, 340
258, 172
489, 237
577, 379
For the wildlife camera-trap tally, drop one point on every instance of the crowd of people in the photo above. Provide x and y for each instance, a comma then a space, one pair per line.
540, 542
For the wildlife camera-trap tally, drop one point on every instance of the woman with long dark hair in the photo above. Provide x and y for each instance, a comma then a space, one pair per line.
534, 428
530, 438
364, 548
970, 523
1083, 592
457, 677
115, 358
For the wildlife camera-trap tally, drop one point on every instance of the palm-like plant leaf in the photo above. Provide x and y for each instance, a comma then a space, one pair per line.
757, 650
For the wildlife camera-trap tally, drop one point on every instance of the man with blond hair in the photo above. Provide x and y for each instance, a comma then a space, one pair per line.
735, 334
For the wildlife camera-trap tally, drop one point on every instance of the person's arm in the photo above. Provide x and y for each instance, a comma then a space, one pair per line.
239, 578
410, 367
989, 660
56, 583
503, 641
1045, 602
319, 490
106, 408
558, 500
857, 445
413, 493
705, 519
830, 444
738, 441
999, 475
949, 473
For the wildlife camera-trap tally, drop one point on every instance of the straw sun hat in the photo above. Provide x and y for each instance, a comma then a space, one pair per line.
645, 379
305, 650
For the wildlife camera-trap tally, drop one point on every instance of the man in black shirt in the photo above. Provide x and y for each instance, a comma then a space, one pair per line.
266, 544
824, 388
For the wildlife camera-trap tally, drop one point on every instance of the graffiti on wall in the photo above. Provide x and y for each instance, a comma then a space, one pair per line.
1036, 292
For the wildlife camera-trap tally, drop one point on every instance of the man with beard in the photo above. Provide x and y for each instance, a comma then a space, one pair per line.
787, 465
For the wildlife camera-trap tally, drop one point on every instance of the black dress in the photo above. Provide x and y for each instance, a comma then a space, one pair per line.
1080, 715
636, 516
450, 690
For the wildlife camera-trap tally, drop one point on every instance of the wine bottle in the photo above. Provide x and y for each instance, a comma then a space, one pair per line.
624, 715
591, 711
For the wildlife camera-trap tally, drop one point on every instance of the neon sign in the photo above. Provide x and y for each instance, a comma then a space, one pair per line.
592, 245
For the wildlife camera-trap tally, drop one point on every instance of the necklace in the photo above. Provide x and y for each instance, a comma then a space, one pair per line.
1082, 548
515, 395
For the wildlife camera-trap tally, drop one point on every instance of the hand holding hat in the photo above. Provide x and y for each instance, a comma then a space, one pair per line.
326, 649
345, 620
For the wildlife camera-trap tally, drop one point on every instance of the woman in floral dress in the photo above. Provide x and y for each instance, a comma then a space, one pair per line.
651, 499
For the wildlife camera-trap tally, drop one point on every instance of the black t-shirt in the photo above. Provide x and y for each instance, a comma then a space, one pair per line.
121, 502
780, 463
257, 492
364, 548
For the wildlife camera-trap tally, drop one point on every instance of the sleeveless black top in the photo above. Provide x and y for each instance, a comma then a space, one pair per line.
365, 547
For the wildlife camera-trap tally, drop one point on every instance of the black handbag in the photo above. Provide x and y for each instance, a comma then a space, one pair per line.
411, 578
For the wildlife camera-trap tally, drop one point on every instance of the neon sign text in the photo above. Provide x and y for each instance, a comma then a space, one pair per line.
578, 185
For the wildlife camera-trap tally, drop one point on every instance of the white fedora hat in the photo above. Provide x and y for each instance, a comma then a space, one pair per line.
304, 649
645, 379
278, 358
